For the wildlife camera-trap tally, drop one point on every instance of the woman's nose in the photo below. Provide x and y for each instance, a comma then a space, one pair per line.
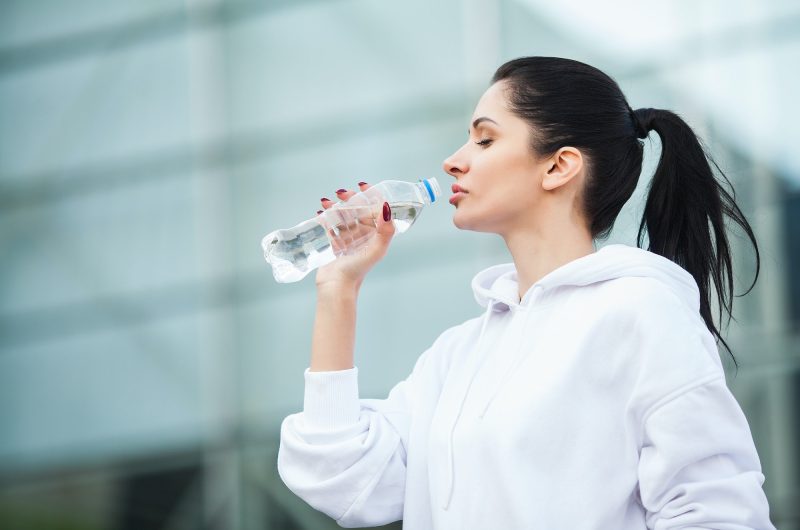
454, 166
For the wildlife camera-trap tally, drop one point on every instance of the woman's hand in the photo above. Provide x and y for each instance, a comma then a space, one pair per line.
349, 270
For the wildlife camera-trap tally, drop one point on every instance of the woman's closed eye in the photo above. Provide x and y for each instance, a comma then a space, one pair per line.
485, 142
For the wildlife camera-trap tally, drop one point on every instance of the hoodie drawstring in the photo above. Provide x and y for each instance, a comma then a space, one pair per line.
520, 356
451, 459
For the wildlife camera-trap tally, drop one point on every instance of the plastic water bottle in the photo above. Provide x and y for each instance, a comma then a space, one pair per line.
294, 252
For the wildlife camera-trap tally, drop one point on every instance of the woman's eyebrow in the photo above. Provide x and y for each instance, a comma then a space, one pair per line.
481, 119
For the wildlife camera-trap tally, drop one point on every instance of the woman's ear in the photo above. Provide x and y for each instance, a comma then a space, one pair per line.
562, 167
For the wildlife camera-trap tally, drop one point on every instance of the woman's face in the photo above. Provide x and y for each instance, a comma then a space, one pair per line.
496, 168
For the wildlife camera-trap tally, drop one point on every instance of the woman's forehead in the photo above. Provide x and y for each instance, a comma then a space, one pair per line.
494, 97
494, 105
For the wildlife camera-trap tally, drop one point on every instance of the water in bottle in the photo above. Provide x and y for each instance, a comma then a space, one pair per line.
345, 228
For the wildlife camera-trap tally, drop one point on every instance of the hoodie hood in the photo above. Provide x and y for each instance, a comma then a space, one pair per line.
497, 287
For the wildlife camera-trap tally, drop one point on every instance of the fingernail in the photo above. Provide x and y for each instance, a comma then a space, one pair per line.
325, 199
319, 212
387, 212
341, 191
362, 183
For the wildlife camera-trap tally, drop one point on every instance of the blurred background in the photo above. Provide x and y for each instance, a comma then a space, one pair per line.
147, 356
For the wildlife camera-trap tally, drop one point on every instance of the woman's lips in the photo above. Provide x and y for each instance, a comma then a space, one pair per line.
458, 194
457, 197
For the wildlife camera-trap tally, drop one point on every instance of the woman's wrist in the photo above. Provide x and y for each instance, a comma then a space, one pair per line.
338, 288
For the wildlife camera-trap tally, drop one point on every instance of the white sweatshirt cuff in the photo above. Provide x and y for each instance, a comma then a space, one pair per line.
331, 399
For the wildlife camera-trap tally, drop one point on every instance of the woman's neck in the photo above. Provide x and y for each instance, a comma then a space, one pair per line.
538, 254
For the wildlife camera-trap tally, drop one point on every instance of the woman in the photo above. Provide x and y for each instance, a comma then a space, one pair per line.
590, 393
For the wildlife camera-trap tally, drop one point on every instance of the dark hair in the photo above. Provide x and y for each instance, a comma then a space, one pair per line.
569, 103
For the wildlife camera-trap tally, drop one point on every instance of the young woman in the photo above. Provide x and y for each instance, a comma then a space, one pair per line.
590, 393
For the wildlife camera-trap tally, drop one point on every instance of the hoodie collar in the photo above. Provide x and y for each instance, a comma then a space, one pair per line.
497, 287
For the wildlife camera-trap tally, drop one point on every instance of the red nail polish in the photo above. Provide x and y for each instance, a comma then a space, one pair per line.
319, 212
341, 190
362, 183
387, 212
325, 199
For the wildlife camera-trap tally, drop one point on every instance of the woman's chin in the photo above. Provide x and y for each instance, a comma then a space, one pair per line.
460, 222
474, 224
457, 220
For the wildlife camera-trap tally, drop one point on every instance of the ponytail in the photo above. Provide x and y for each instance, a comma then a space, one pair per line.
685, 209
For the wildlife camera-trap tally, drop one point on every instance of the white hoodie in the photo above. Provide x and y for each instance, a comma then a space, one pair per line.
598, 401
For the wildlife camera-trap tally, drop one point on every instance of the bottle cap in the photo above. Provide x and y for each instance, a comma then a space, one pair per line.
434, 191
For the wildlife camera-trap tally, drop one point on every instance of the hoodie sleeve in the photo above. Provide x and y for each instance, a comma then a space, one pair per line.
698, 466
346, 456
